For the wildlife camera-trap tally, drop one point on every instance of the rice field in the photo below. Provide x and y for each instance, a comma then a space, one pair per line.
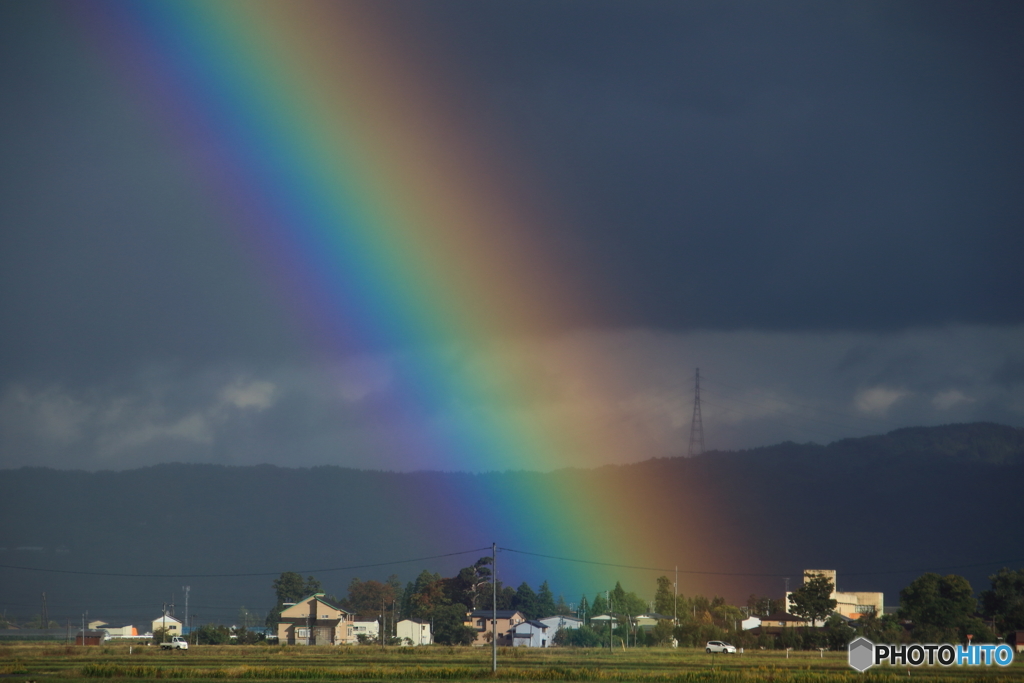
37, 662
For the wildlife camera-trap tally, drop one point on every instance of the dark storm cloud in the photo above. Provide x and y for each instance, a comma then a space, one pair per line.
817, 203
784, 165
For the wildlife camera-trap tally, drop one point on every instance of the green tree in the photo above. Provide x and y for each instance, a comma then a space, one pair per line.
937, 606
1004, 602
545, 605
526, 601
290, 587
450, 627
367, 598
584, 636
583, 612
661, 634
838, 633
664, 597
599, 606
506, 596
813, 600
762, 606
561, 606
208, 634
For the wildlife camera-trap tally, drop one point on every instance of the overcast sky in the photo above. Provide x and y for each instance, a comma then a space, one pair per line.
818, 204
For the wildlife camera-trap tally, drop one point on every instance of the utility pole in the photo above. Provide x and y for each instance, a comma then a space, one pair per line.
611, 623
494, 607
186, 589
696, 426
675, 599
46, 617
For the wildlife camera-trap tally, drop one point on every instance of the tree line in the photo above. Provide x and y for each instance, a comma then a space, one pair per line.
933, 608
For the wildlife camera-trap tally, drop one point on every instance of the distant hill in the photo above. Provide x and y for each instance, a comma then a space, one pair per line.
878, 509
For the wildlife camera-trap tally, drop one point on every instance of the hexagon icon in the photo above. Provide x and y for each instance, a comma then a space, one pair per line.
862, 654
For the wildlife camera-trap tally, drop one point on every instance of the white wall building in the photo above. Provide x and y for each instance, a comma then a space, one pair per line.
414, 632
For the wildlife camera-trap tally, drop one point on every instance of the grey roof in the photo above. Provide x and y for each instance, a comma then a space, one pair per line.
501, 614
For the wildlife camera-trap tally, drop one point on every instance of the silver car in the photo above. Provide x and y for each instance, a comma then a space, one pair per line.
719, 646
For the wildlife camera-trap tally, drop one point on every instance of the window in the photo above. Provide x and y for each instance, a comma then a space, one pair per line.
865, 609
302, 633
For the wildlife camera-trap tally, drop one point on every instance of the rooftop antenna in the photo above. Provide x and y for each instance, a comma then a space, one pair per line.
696, 426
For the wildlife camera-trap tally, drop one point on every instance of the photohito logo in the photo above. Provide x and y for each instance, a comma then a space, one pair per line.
863, 654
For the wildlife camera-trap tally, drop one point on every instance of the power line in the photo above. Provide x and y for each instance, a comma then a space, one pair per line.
752, 574
217, 576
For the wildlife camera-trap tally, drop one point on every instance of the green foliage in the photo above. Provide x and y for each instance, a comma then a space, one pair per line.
661, 634
525, 601
813, 600
939, 607
1004, 602
209, 634
664, 597
545, 602
881, 629
450, 628
584, 636
160, 635
838, 633
366, 599
290, 587
762, 606
243, 636
599, 606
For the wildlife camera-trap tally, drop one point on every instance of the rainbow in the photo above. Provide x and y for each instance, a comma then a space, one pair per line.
339, 163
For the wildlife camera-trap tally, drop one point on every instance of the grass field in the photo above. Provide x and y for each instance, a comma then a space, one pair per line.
24, 663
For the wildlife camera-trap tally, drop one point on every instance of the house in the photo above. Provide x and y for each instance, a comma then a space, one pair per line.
414, 632
531, 633
481, 621
559, 622
850, 605
169, 624
777, 622
127, 631
315, 620
648, 621
604, 620
750, 623
1016, 641
90, 636
369, 630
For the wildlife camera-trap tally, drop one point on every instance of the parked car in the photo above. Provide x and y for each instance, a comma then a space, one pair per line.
719, 646
175, 643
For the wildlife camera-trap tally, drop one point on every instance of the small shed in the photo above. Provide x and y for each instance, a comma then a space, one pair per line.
90, 636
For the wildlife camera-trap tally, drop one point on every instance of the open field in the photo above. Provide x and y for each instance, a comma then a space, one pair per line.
23, 663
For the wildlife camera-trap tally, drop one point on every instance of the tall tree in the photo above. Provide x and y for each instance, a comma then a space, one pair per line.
545, 605
526, 601
367, 598
813, 600
941, 608
583, 612
664, 597
450, 627
599, 606
1004, 602
561, 606
506, 596
290, 587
